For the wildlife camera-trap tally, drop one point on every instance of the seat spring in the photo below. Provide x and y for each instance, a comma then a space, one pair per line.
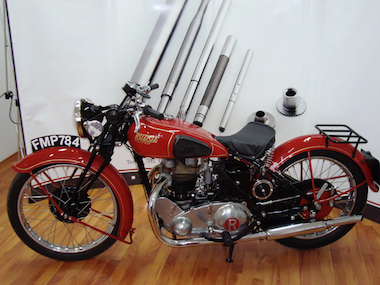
268, 157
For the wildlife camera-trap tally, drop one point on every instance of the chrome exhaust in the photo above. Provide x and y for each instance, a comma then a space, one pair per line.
270, 234
302, 229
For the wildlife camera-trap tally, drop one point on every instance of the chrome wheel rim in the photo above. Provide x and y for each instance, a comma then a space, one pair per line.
334, 172
45, 227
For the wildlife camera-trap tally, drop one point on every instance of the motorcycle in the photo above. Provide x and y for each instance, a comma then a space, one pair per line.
70, 204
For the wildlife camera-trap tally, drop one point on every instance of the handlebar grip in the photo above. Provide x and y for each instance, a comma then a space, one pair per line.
148, 110
153, 86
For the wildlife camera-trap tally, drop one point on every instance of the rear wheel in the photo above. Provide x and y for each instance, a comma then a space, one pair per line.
39, 224
340, 172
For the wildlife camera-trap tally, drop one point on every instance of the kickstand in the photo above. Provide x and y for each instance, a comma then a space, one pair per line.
230, 251
227, 241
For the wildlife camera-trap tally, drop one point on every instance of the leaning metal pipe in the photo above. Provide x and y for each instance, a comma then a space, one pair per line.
182, 57
158, 40
271, 234
203, 59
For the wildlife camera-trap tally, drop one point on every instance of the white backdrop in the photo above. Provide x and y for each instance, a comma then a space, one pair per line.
327, 49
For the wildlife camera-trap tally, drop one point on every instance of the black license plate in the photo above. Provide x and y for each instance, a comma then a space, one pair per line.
55, 140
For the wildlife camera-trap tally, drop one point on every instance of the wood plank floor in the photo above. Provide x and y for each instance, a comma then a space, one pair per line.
354, 259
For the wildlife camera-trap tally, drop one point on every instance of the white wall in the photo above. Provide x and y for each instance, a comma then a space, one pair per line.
326, 49
8, 136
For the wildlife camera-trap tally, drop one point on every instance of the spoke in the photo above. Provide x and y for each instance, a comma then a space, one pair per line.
87, 183
99, 218
52, 231
74, 171
44, 228
104, 214
336, 173
36, 203
94, 232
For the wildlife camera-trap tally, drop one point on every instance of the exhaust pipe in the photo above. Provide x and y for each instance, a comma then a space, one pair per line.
302, 229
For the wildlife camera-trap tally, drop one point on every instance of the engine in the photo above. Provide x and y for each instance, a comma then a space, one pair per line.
188, 180
212, 218
187, 206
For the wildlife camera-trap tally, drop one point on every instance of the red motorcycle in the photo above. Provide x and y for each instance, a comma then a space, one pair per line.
70, 204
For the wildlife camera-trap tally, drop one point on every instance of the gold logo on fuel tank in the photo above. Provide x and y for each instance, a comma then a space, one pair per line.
146, 139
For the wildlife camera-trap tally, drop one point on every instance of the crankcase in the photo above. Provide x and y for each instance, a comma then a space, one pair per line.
211, 218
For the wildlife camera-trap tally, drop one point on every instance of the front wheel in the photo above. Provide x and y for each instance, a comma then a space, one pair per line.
38, 223
340, 172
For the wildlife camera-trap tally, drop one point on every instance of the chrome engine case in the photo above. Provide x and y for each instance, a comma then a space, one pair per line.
210, 218
192, 180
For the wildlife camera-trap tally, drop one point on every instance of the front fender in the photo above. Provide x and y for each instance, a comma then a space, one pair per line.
301, 144
81, 157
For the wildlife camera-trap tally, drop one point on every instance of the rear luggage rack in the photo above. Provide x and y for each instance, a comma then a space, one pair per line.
341, 134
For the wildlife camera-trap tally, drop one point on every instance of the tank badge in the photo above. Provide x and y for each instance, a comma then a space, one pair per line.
146, 139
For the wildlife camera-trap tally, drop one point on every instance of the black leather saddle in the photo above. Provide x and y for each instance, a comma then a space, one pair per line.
252, 140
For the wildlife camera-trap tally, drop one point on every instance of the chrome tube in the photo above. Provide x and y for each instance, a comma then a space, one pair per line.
207, 49
309, 228
157, 41
235, 91
182, 57
216, 77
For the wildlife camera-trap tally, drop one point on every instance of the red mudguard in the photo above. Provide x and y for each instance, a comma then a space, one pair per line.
81, 157
318, 142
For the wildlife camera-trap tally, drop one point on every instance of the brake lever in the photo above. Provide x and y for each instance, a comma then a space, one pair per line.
136, 118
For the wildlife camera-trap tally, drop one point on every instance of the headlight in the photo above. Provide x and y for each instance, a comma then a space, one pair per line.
85, 111
94, 128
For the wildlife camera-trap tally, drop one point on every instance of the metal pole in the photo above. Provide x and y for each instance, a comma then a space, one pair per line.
235, 91
158, 40
20, 128
215, 80
207, 49
182, 56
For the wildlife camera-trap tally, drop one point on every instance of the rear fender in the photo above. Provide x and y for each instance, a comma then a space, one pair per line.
301, 144
81, 157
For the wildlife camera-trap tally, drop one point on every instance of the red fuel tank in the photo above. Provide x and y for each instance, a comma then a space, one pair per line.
173, 138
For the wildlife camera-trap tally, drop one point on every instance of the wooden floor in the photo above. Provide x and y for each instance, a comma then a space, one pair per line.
354, 259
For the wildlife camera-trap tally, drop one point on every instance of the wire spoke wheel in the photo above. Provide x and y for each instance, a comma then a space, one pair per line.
340, 172
40, 224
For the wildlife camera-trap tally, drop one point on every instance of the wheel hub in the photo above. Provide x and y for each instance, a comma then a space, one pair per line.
63, 197
316, 211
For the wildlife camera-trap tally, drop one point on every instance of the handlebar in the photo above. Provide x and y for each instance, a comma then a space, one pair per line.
132, 88
148, 110
128, 89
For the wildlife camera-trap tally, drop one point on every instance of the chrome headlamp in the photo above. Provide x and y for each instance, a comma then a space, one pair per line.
84, 111
93, 128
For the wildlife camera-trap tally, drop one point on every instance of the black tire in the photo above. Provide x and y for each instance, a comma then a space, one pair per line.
37, 222
341, 172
